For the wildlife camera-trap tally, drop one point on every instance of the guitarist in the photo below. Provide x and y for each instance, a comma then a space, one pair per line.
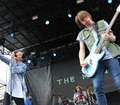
110, 62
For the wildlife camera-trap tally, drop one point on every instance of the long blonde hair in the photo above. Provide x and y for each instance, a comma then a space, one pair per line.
81, 15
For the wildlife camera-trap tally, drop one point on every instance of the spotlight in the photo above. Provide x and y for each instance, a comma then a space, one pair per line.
12, 34
29, 61
69, 15
33, 53
109, 1
79, 1
47, 22
54, 54
35, 17
42, 57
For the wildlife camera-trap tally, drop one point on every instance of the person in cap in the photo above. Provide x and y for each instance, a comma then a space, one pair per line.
28, 100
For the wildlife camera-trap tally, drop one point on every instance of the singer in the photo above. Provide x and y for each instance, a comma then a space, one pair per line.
15, 86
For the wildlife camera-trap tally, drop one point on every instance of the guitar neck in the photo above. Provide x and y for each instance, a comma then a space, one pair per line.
99, 47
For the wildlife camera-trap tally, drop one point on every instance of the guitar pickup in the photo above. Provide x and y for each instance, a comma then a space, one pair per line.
90, 61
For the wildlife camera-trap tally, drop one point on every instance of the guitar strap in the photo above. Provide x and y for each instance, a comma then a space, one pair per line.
96, 29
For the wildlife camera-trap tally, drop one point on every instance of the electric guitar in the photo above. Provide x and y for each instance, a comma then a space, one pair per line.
96, 55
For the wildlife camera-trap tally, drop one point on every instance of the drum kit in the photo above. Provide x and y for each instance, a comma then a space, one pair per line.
60, 97
80, 100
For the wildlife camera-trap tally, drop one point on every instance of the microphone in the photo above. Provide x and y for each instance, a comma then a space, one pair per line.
15, 55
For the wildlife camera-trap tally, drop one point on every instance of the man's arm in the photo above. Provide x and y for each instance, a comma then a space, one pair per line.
109, 37
112, 37
72, 100
85, 94
26, 101
82, 55
5, 59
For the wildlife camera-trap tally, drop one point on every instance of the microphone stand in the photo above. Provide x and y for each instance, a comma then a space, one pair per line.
11, 82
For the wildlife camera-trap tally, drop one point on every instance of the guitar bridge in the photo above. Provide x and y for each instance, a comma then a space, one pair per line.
85, 71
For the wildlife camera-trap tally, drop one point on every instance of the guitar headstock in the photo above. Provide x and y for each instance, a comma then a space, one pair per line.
118, 8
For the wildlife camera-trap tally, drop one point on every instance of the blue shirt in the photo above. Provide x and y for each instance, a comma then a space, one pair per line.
28, 101
18, 69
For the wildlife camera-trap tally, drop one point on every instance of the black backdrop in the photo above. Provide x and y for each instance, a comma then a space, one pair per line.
59, 78
67, 74
39, 82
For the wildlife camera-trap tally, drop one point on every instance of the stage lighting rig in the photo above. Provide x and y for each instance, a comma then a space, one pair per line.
79, 1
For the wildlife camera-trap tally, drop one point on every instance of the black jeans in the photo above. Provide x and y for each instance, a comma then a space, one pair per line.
18, 101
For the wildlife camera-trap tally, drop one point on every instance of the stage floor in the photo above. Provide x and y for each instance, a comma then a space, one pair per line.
113, 98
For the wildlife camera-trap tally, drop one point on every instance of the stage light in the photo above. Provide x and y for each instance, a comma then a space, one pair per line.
42, 57
33, 53
12, 34
29, 61
69, 15
35, 17
109, 1
47, 22
54, 54
79, 1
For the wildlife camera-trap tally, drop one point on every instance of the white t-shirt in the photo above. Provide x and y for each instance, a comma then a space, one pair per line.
17, 88
77, 94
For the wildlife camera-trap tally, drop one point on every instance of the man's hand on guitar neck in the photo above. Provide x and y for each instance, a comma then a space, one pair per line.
83, 64
109, 37
106, 37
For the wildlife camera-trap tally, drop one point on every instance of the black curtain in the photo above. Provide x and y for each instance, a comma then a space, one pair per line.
39, 82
